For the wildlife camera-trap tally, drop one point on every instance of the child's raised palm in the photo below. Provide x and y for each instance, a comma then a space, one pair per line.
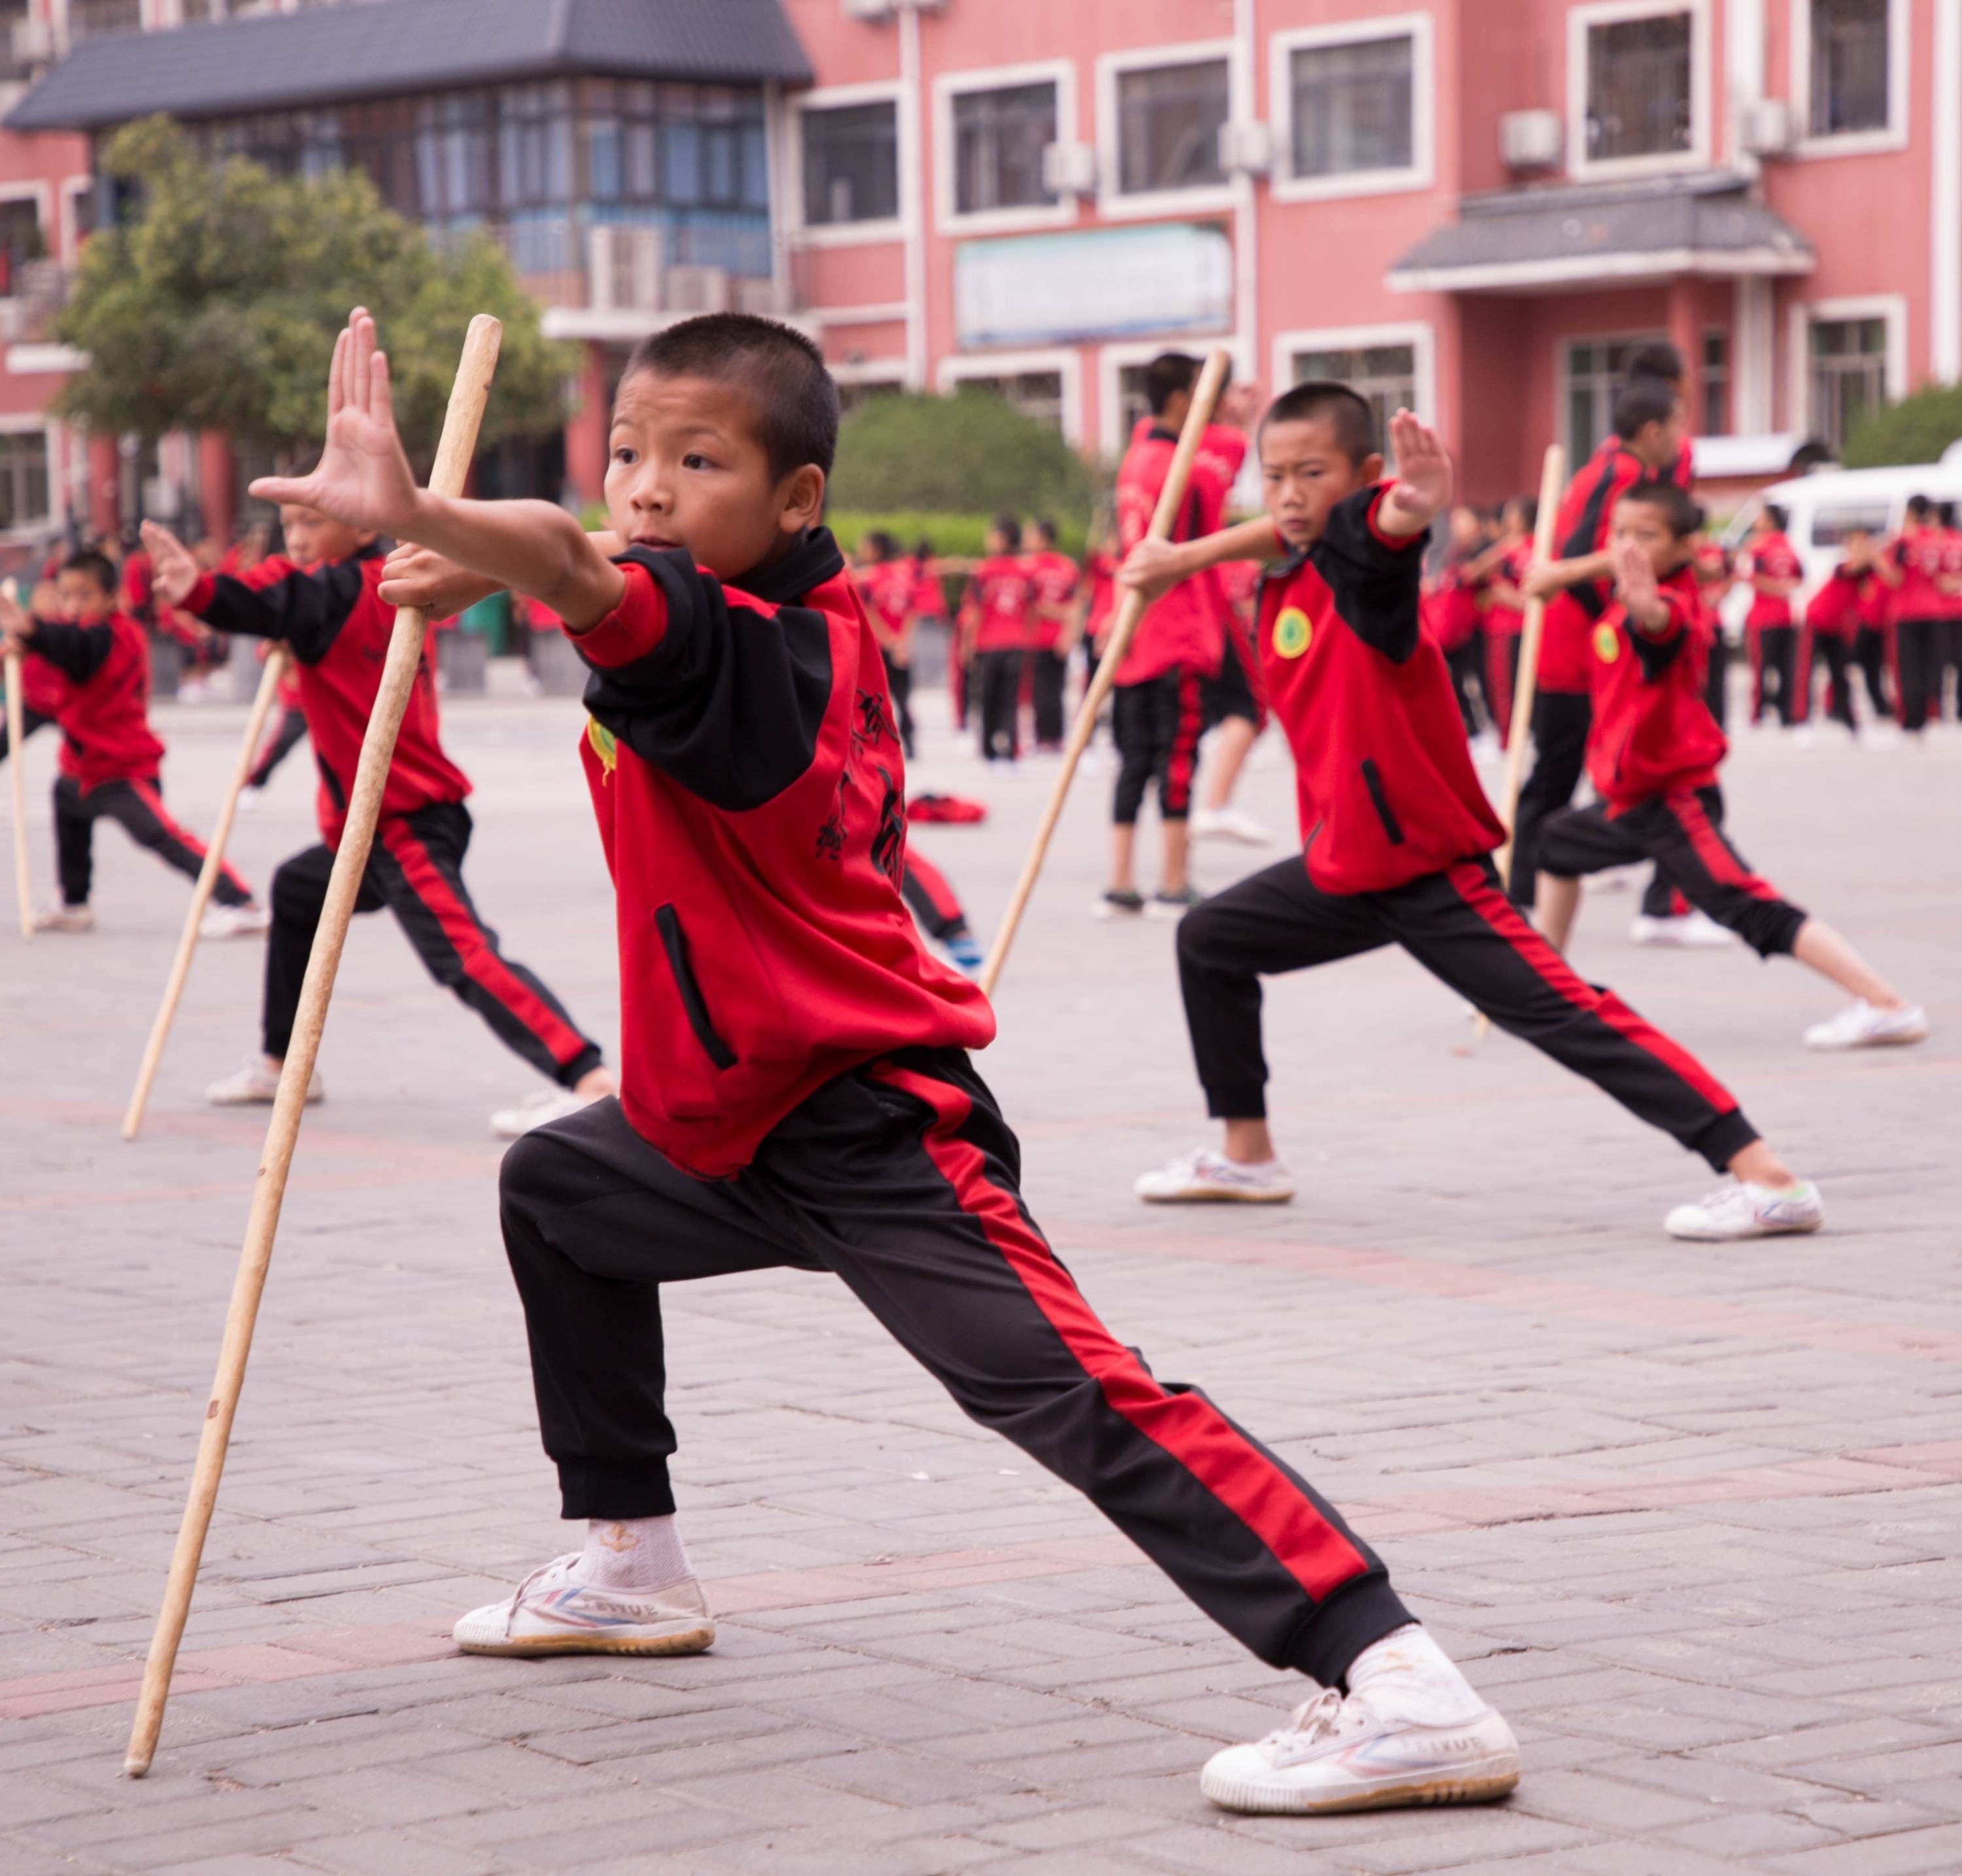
1424, 467
174, 571
1635, 576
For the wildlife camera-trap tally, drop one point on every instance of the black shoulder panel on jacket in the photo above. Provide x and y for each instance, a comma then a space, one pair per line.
1375, 586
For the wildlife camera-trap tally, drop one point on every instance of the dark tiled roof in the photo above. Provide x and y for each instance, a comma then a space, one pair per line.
354, 50
1706, 223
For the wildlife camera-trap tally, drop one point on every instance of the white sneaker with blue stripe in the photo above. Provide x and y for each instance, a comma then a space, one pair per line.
553, 1612
1742, 1210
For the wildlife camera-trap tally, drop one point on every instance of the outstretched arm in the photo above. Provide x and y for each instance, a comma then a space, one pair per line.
1154, 566
1422, 490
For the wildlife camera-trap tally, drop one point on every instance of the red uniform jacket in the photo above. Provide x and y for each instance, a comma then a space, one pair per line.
1586, 516
886, 588
1834, 611
1652, 733
1101, 569
998, 597
751, 796
1772, 557
1052, 579
1386, 786
338, 629
1918, 555
103, 708
1184, 630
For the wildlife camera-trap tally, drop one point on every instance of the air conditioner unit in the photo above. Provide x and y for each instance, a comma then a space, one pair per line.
1764, 127
1531, 139
1246, 148
34, 42
697, 290
1069, 169
624, 265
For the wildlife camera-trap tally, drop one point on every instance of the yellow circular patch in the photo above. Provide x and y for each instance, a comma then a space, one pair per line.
1607, 643
1292, 633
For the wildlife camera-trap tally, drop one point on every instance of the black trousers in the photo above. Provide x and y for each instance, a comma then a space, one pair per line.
137, 808
900, 687
1683, 832
1829, 649
1156, 726
1774, 672
902, 1178
1050, 674
1717, 680
288, 737
932, 900
1462, 928
1561, 721
998, 678
1466, 666
416, 870
1870, 660
1917, 667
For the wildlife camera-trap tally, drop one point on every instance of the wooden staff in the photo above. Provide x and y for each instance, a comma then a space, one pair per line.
1130, 609
350, 862
207, 878
1552, 484
17, 735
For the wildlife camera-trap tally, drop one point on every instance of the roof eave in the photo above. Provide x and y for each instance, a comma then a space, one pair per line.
1584, 270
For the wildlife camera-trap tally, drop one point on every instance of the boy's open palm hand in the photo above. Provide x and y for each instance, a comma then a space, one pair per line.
174, 571
1635, 576
364, 479
1423, 487
1150, 568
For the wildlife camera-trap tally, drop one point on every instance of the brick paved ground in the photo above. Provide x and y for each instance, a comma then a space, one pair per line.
1690, 1515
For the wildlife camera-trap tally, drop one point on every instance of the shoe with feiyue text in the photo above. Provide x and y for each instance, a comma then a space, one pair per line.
257, 1085
553, 1612
1204, 1177
1413, 1732
1738, 1209
548, 1104
1863, 1025
67, 918
1694, 931
234, 921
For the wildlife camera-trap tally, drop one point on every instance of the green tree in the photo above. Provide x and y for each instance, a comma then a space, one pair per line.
215, 305
971, 453
1917, 429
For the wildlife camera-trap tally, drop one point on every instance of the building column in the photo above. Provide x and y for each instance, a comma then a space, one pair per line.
1944, 247
585, 430
1753, 363
105, 481
1686, 333
215, 495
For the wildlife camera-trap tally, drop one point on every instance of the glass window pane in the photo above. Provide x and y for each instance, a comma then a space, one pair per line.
851, 164
1169, 123
1352, 107
1849, 66
1639, 101
998, 141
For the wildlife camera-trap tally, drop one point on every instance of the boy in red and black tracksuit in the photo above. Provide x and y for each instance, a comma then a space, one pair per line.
1398, 834
886, 583
796, 1086
1771, 568
1911, 569
95, 663
995, 628
1053, 584
323, 606
1832, 618
1505, 615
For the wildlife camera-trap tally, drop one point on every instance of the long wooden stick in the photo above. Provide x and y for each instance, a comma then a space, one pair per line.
1526, 687
1130, 609
17, 735
207, 879
350, 861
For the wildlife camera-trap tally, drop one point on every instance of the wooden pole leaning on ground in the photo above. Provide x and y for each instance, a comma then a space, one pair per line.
1130, 609
200, 898
16, 734
350, 861
1552, 485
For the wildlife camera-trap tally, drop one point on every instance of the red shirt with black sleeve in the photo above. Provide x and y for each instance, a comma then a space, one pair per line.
1385, 782
1917, 552
332, 618
1052, 579
1586, 516
1652, 734
1834, 611
99, 681
1185, 630
999, 597
1770, 556
751, 795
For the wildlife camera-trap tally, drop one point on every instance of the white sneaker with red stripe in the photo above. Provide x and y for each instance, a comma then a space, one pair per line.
552, 1611
1866, 1026
1742, 1210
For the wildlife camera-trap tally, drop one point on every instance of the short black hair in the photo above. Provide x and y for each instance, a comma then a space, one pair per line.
1166, 376
1657, 357
1009, 529
1777, 516
1672, 501
1322, 400
795, 400
1920, 505
98, 567
1043, 525
1644, 401
1528, 506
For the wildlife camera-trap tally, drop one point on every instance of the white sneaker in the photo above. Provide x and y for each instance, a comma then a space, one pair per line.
251, 800
66, 918
1118, 902
1227, 824
1880, 735
1863, 1025
1694, 931
1401, 1740
548, 1104
256, 1085
1740, 1209
1203, 1176
234, 921
552, 1612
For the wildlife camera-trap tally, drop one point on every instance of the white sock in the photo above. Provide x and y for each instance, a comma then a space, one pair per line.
1408, 1672
634, 1553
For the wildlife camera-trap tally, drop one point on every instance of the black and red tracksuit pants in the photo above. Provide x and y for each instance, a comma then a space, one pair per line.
1461, 927
1156, 726
287, 737
1683, 832
416, 870
137, 807
902, 1178
933, 901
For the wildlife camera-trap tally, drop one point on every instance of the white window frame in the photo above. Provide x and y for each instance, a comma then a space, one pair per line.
1418, 334
1804, 314
41, 194
1900, 50
947, 219
74, 190
1579, 20
28, 423
1112, 203
890, 372
1112, 358
849, 234
1421, 173
1065, 360
1563, 375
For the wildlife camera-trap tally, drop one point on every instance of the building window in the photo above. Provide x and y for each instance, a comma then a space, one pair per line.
24, 478
1848, 77
21, 241
1169, 118
90, 19
1716, 384
998, 140
1596, 369
1383, 376
1849, 363
1037, 394
1353, 109
851, 164
1641, 87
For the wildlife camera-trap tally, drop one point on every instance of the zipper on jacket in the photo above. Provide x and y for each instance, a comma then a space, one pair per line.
1374, 782
674, 941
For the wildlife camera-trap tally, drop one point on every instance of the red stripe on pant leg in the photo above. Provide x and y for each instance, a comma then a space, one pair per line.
482, 965
147, 794
1802, 674
933, 883
1189, 1428
1499, 912
1712, 850
1754, 645
1184, 756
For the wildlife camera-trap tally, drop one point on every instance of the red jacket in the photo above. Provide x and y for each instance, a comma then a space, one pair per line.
1386, 788
103, 711
338, 629
886, 588
1834, 611
1586, 516
1918, 554
751, 797
1770, 557
1053, 578
1652, 734
999, 594
1184, 630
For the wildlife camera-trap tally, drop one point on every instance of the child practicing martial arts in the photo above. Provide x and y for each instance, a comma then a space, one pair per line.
796, 1088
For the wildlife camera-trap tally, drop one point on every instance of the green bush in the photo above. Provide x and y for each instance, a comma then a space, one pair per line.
971, 453
1917, 429
959, 537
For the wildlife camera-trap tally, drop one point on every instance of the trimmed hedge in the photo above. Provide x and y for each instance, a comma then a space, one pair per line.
959, 537
1917, 429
